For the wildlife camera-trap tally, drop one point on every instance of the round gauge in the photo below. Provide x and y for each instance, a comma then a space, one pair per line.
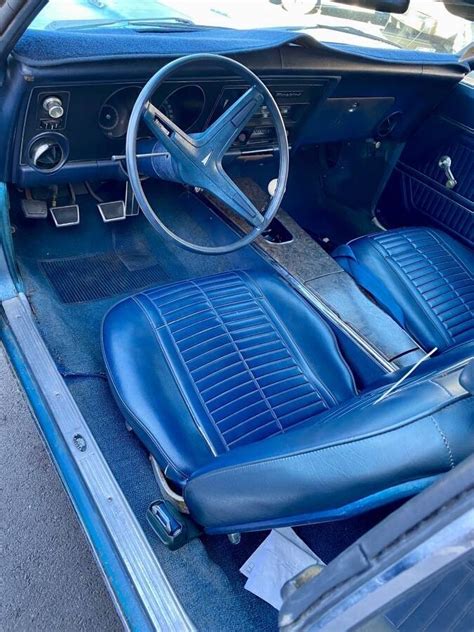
115, 111
109, 117
184, 106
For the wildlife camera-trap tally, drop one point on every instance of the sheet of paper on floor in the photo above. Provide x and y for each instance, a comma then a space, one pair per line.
281, 556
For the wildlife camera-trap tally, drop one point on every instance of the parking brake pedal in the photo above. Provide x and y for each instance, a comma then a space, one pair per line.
33, 209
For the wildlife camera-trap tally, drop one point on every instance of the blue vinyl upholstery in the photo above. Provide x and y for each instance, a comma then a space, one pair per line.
239, 389
422, 277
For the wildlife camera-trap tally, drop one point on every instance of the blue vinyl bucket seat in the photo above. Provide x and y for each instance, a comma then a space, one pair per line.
240, 391
422, 277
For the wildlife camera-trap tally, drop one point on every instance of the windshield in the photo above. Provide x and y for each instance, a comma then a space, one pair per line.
427, 25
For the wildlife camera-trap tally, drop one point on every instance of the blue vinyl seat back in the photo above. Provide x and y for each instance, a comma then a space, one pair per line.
227, 355
237, 358
423, 277
240, 391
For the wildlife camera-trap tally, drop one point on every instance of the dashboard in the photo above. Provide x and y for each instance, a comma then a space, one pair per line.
76, 123
67, 122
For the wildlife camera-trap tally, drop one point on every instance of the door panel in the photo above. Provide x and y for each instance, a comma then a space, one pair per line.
417, 192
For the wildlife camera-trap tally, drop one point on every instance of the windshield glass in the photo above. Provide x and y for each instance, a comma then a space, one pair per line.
427, 25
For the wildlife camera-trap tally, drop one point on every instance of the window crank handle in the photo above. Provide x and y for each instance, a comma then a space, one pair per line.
445, 164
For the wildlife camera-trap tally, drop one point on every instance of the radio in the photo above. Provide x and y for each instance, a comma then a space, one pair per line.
259, 132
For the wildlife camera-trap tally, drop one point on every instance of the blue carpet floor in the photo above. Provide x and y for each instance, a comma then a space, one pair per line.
204, 573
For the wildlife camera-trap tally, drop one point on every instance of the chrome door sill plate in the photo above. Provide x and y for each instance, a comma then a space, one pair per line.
156, 595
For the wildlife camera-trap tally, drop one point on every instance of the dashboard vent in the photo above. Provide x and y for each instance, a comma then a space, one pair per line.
47, 152
388, 124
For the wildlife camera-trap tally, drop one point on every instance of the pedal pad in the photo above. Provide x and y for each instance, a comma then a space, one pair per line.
64, 216
34, 209
131, 203
112, 211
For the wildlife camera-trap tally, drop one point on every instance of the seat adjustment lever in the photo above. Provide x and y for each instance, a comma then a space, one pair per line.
172, 528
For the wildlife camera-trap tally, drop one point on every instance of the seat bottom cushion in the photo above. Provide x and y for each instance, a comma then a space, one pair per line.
204, 366
422, 277
359, 455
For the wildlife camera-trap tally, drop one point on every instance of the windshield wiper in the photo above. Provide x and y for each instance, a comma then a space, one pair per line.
172, 23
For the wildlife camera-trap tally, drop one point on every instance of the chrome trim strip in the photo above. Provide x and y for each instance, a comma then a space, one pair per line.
154, 590
316, 300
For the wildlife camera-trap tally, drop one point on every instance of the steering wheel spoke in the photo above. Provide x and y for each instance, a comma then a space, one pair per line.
222, 133
175, 141
225, 189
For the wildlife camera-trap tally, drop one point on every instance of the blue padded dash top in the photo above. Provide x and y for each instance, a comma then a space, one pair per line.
43, 48
428, 275
238, 388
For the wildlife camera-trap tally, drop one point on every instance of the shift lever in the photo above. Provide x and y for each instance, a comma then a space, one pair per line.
271, 187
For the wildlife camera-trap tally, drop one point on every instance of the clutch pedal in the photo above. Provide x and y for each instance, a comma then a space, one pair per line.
68, 214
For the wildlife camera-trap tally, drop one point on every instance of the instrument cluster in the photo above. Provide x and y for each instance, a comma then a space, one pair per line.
184, 105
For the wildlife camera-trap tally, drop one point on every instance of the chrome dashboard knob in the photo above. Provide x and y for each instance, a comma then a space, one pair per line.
54, 107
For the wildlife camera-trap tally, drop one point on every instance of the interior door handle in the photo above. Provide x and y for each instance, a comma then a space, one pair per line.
445, 163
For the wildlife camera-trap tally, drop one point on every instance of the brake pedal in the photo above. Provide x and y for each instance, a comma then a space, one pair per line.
112, 211
64, 216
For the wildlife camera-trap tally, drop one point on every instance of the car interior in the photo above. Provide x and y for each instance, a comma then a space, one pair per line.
251, 259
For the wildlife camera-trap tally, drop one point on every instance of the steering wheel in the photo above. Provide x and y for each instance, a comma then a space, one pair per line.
196, 159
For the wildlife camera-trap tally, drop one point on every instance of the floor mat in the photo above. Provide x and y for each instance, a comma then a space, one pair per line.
83, 279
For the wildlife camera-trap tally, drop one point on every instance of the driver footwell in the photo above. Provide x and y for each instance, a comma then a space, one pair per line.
83, 279
204, 573
95, 261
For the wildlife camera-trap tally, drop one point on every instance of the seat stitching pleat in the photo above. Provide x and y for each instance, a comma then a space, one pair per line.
441, 280
232, 312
